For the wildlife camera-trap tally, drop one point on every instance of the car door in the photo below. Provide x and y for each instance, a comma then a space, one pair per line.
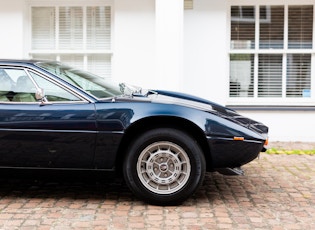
59, 133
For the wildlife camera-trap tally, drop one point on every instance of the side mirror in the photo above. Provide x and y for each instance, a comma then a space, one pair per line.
40, 95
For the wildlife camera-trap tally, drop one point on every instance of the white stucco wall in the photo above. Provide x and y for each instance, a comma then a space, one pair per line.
205, 52
286, 125
11, 28
148, 43
134, 42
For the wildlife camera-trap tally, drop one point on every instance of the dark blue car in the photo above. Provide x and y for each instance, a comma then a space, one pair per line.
53, 116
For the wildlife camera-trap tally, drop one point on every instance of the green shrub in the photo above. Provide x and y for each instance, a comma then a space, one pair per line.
290, 152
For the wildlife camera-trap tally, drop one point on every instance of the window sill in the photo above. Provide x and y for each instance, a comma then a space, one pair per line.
271, 108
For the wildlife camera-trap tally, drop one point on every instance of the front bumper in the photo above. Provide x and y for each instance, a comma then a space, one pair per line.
228, 153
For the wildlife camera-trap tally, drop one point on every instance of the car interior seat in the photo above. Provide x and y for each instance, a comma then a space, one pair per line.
5, 88
23, 90
3, 96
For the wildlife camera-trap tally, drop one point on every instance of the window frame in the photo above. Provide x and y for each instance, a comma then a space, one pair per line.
84, 52
27, 72
242, 18
283, 100
60, 84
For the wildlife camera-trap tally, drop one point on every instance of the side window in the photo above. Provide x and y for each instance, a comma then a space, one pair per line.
16, 86
53, 92
5, 86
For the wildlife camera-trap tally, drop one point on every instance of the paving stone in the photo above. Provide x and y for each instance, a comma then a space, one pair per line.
276, 192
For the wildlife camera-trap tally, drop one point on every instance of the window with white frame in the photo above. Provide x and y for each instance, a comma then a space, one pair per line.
271, 54
79, 35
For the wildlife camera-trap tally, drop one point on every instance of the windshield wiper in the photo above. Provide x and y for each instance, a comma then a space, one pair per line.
151, 92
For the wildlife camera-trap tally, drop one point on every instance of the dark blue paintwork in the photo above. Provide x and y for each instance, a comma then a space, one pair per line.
47, 136
94, 134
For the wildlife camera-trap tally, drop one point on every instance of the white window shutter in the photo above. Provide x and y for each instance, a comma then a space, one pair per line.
242, 28
77, 35
43, 28
271, 27
100, 64
298, 75
300, 34
270, 75
70, 28
75, 60
98, 27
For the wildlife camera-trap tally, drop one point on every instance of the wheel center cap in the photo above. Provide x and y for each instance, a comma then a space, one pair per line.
163, 167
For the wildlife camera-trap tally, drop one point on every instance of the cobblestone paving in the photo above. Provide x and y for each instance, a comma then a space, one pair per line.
277, 192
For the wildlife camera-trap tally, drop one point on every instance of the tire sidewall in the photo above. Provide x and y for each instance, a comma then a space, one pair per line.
183, 140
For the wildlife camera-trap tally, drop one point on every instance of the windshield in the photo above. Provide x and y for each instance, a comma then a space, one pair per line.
93, 84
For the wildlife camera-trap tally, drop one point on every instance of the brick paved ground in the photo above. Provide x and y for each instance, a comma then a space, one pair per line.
292, 145
277, 192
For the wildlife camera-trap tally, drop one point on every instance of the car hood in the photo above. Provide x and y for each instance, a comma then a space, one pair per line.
186, 100
170, 97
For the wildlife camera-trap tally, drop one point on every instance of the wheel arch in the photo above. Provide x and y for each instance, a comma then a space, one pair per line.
149, 123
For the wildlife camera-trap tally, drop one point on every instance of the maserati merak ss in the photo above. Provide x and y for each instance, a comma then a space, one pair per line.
54, 116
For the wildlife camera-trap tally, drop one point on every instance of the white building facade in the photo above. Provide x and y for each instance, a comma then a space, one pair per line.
255, 56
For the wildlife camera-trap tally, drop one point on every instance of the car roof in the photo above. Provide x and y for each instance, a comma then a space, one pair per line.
19, 61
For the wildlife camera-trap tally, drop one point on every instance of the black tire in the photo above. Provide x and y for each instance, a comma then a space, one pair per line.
164, 166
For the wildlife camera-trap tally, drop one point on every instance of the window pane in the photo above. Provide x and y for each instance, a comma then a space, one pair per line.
241, 75
270, 75
300, 27
271, 27
43, 28
75, 60
235, 12
100, 64
298, 75
24, 90
242, 27
248, 12
52, 91
98, 27
8, 85
70, 28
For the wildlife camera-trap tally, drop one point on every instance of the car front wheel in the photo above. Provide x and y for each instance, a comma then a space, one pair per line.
164, 166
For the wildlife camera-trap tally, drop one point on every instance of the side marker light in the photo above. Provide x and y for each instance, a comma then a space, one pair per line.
238, 138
